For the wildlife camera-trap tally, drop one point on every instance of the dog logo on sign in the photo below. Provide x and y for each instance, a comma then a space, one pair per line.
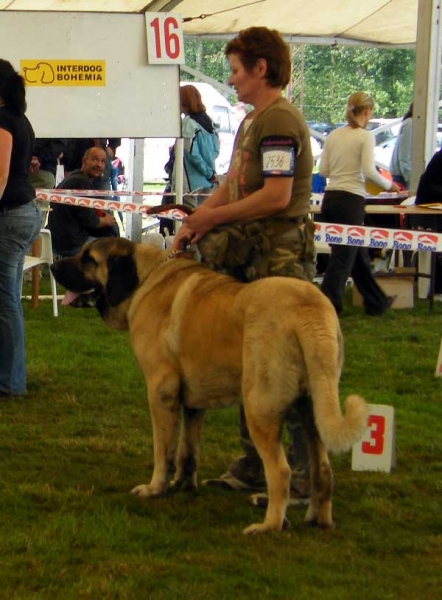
41, 73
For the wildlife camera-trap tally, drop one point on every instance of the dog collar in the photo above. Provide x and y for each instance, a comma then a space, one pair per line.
178, 253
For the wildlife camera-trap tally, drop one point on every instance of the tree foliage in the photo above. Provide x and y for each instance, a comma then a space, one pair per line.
332, 74
324, 76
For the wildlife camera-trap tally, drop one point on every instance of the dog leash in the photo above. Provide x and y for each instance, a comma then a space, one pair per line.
178, 252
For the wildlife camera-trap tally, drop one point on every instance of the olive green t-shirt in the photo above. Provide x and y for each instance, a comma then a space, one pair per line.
275, 143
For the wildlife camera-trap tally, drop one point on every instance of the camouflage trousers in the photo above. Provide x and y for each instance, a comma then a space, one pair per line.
292, 255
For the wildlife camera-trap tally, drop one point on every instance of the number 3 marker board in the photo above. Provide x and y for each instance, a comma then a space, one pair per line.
376, 450
165, 44
438, 372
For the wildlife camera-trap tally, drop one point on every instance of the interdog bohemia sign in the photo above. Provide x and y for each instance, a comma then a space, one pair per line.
51, 73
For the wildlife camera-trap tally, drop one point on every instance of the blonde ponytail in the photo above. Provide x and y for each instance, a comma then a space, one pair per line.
357, 103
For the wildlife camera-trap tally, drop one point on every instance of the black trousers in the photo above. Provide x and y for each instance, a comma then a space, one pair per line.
346, 261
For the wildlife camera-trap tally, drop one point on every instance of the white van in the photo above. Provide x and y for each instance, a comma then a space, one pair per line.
223, 115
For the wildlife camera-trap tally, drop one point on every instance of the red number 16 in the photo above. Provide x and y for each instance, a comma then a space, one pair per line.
376, 443
171, 40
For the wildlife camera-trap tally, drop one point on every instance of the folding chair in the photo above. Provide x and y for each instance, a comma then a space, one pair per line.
41, 255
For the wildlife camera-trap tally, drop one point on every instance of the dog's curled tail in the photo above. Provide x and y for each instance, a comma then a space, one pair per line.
339, 432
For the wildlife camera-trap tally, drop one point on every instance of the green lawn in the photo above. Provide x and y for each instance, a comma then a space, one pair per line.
73, 449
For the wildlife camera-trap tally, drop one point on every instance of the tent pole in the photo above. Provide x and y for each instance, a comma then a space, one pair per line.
426, 87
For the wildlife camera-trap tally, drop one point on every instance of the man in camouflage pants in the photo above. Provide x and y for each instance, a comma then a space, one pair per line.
255, 224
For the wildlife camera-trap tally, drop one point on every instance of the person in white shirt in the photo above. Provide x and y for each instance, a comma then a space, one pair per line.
348, 161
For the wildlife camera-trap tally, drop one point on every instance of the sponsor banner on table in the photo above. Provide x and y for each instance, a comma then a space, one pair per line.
377, 237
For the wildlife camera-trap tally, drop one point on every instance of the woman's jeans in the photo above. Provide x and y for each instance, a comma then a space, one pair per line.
19, 227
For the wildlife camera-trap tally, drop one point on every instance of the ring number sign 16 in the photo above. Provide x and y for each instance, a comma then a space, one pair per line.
164, 38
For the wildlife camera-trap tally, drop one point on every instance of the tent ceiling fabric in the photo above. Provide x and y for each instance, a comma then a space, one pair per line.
391, 22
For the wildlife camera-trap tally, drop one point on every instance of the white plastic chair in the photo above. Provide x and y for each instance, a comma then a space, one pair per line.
45, 258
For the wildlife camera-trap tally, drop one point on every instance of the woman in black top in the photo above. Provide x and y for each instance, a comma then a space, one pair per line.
20, 222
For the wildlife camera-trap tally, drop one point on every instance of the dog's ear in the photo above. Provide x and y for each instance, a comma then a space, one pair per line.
122, 278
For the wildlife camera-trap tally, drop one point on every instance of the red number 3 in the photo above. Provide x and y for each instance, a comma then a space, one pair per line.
376, 443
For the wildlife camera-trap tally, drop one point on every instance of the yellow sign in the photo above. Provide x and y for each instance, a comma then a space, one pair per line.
51, 73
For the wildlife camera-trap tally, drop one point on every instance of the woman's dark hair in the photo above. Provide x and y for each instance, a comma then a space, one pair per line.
12, 88
259, 42
409, 112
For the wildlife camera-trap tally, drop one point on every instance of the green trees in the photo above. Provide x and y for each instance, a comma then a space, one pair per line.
331, 74
324, 76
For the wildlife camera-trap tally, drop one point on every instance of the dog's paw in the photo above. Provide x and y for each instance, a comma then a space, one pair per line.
322, 525
148, 491
186, 484
258, 528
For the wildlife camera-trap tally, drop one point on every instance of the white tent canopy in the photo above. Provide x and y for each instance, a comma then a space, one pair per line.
389, 22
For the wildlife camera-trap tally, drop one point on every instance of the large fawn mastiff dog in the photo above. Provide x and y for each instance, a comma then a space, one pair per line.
204, 340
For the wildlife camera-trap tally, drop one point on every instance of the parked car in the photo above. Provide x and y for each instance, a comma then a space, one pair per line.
382, 136
383, 152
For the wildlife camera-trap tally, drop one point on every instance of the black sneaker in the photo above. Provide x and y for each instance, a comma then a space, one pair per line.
377, 312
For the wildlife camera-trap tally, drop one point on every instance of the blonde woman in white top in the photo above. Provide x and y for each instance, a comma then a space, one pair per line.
348, 161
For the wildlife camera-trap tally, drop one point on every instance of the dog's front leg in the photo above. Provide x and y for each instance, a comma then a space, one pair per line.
188, 450
165, 414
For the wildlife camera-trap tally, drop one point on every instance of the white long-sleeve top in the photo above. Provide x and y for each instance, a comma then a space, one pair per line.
347, 160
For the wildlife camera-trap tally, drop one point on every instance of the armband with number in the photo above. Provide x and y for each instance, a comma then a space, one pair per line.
278, 156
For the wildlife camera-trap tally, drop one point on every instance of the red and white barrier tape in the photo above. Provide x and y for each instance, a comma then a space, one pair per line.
102, 204
111, 193
328, 233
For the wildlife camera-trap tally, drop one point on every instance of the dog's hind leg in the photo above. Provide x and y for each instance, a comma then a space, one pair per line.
164, 402
188, 450
265, 431
319, 511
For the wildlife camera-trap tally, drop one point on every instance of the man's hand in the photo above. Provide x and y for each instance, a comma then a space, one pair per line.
183, 237
107, 220
200, 222
34, 166
395, 187
195, 226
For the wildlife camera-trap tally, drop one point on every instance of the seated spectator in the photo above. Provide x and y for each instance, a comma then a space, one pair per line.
73, 158
72, 226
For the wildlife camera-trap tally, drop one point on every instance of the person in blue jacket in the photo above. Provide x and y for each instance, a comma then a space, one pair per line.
201, 143
201, 148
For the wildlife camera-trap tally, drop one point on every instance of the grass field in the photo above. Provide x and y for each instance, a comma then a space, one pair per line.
75, 446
